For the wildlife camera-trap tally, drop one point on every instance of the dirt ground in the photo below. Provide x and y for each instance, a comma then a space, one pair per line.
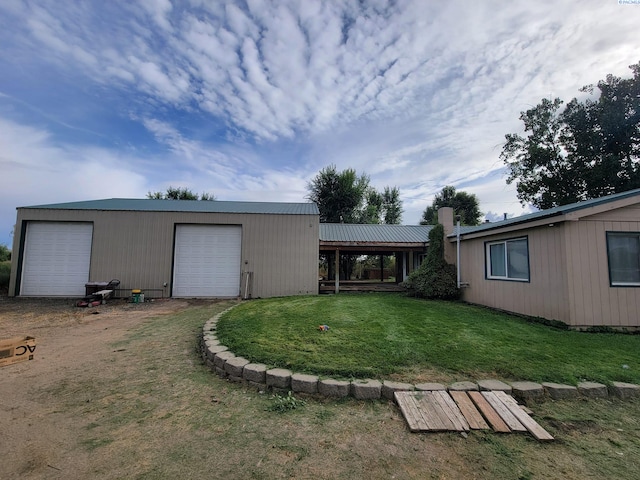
118, 391
37, 438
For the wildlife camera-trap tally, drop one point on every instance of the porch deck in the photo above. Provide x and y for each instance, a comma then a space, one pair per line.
329, 286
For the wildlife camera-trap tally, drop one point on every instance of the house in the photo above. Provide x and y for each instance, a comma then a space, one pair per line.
578, 264
167, 248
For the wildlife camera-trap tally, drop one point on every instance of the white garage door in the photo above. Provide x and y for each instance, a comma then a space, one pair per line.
57, 257
207, 261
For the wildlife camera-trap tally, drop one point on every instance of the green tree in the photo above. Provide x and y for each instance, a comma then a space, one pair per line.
463, 204
5, 253
435, 278
180, 193
346, 197
391, 206
587, 149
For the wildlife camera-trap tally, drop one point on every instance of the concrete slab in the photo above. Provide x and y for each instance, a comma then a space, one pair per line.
366, 389
278, 378
388, 388
463, 386
304, 383
334, 388
593, 390
559, 391
492, 385
624, 390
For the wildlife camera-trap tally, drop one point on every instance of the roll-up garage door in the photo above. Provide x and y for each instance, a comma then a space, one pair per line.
207, 261
57, 257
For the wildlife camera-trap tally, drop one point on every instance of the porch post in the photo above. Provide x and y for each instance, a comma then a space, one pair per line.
337, 266
410, 262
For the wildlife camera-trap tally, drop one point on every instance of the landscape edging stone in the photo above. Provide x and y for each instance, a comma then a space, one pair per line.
216, 355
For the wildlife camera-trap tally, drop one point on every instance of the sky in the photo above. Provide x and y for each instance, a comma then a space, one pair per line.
249, 100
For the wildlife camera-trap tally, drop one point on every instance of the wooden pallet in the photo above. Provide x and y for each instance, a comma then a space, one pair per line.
439, 411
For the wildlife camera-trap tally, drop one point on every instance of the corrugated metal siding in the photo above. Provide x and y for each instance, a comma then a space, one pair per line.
137, 247
545, 295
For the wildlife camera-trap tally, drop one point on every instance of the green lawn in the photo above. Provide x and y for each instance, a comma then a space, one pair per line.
393, 336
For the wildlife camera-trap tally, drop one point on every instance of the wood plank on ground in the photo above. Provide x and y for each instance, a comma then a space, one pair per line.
452, 411
504, 412
432, 410
470, 412
534, 427
489, 413
407, 403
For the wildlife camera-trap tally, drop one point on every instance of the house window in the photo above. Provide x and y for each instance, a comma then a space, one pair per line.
508, 259
623, 250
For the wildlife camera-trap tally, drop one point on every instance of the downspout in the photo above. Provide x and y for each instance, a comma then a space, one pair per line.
458, 249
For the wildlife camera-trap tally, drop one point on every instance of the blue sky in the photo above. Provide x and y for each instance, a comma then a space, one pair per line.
248, 100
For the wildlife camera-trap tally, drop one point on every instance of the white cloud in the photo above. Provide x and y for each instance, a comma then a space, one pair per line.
35, 170
417, 94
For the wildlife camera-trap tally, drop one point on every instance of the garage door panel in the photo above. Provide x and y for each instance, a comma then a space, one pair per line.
57, 257
207, 261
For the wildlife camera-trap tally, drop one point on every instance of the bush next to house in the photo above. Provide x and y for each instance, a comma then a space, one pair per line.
435, 278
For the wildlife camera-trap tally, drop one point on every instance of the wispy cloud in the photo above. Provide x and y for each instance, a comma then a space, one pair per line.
250, 99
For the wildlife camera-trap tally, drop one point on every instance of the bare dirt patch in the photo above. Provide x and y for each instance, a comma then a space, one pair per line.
73, 344
122, 393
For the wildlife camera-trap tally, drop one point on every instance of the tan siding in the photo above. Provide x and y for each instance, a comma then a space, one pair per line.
625, 214
545, 294
595, 302
137, 247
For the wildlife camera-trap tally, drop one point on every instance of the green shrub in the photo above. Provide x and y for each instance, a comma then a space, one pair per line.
5, 253
435, 278
5, 272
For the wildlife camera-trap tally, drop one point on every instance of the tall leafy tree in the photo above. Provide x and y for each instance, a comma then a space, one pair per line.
391, 206
180, 193
346, 197
587, 149
464, 204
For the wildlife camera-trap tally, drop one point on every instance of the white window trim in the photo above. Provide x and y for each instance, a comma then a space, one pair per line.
611, 282
487, 256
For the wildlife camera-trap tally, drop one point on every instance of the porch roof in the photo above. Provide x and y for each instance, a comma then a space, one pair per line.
367, 237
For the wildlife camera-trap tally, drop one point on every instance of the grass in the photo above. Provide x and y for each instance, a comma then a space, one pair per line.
384, 335
153, 411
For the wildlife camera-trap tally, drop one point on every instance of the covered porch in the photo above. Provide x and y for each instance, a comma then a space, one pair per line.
392, 251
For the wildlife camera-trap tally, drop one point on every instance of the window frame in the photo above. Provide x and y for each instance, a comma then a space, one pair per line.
506, 277
616, 233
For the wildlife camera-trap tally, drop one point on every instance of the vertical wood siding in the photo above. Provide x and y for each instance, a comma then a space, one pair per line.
137, 247
569, 273
593, 301
545, 295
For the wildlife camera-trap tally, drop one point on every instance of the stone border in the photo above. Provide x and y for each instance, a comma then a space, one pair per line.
237, 369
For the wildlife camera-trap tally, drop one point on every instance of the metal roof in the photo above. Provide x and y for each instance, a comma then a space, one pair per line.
549, 212
206, 206
372, 233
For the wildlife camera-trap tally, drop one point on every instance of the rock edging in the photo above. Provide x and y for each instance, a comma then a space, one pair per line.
227, 365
